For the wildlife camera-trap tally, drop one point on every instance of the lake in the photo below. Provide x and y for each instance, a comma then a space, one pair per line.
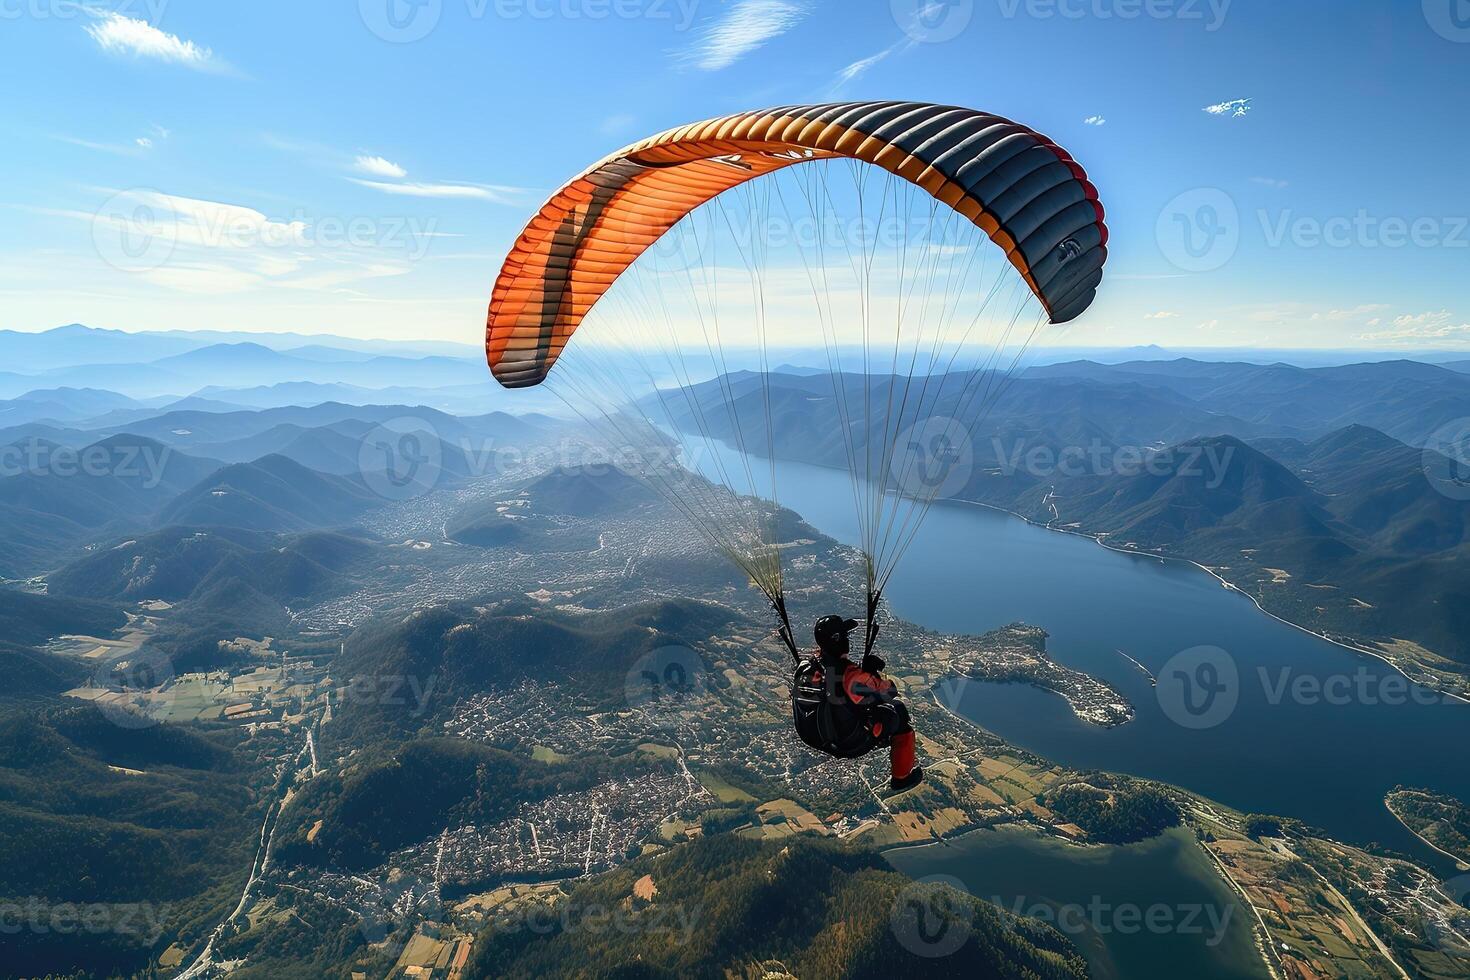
1306, 729
1155, 909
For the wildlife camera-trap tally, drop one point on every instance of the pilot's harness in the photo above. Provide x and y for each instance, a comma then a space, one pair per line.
826, 718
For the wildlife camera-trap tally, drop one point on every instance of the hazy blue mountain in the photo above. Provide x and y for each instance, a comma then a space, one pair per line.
61, 498
245, 356
127, 416
63, 404
319, 448
296, 393
272, 493
484, 525
46, 432
1370, 548
465, 445
1249, 468
152, 364
77, 344
586, 491
327, 353
187, 563
344, 448
188, 428
235, 365
1377, 485
1217, 496
808, 414
134, 379
470, 399
1406, 399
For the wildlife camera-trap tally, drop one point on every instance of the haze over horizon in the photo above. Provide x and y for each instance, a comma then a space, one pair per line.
203, 169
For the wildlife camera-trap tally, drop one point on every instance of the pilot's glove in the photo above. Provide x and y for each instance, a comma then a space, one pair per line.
873, 664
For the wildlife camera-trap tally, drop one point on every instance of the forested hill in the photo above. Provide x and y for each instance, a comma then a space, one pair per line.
726, 906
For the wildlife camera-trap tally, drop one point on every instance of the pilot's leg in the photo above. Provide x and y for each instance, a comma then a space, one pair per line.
904, 774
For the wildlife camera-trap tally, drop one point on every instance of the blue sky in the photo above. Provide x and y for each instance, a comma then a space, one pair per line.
318, 166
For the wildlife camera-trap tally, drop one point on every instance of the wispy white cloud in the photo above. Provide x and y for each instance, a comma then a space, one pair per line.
119, 149
498, 194
1304, 313
748, 25
861, 66
289, 144
193, 245
197, 222
139, 144
1436, 325
379, 167
1432, 320
121, 35
1095, 121
1161, 315
387, 176
1234, 109
158, 135
1350, 314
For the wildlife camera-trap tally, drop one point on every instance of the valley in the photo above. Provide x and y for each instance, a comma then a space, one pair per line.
459, 703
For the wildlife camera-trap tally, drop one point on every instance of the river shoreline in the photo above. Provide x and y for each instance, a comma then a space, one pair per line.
1097, 538
1355, 646
1461, 864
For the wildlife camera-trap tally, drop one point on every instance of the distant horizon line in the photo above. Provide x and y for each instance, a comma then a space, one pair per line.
1400, 352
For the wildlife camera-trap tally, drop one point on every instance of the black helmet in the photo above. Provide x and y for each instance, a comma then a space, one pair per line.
833, 630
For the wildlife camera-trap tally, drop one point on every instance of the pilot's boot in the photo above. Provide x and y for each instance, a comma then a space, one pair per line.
906, 775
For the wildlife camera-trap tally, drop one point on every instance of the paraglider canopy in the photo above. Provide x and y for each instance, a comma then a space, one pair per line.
899, 316
1024, 191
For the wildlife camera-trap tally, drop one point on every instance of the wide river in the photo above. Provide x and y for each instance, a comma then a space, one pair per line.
1308, 729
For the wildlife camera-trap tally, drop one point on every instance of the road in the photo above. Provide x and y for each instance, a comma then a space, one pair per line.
305, 760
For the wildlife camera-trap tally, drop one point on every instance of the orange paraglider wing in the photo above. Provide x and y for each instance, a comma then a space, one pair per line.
1021, 189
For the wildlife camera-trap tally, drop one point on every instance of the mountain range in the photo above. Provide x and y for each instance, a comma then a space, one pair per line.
63, 489
1308, 487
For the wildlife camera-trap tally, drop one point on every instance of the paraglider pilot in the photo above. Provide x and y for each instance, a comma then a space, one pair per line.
848, 709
